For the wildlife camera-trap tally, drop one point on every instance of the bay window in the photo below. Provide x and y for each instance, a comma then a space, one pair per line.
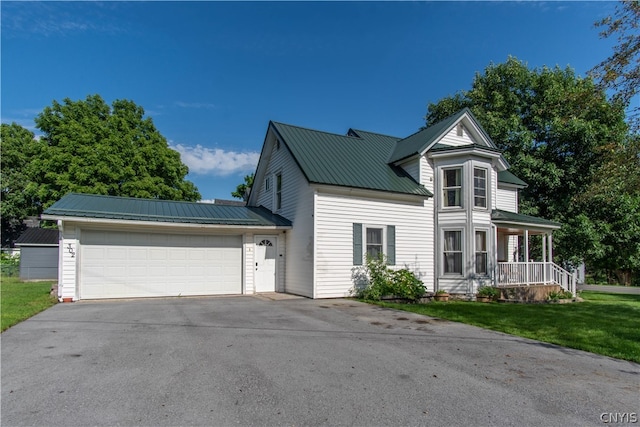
479, 188
453, 252
452, 187
481, 252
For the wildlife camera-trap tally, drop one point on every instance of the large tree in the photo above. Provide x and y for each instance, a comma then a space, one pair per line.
552, 126
18, 148
605, 232
88, 146
621, 71
92, 148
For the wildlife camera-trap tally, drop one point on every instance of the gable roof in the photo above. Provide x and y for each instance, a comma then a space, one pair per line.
418, 142
357, 160
38, 237
128, 208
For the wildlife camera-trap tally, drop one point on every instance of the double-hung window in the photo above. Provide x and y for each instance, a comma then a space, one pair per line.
453, 252
452, 187
374, 242
278, 191
479, 188
481, 252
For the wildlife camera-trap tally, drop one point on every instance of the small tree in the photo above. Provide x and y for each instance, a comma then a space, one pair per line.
241, 191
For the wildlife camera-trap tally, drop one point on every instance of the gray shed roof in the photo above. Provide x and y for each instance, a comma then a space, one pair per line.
134, 209
38, 237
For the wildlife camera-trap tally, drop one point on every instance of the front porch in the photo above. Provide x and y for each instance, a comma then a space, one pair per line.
535, 273
515, 266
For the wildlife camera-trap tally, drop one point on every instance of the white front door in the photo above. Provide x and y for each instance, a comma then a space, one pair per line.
266, 263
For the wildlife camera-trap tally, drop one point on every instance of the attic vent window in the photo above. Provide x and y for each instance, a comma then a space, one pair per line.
460, 130
277, 144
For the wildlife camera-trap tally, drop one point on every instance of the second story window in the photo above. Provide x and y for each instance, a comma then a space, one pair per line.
452, 187
278, 191
479, 188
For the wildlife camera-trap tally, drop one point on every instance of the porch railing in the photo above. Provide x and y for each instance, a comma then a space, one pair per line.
535, 273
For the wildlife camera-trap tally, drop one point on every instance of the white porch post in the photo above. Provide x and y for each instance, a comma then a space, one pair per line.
526, 254
550, 247
544, 258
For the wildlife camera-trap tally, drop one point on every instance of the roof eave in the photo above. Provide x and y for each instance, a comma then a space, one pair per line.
191, 224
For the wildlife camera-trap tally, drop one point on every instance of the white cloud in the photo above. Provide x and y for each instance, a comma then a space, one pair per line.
207, 201
216, 161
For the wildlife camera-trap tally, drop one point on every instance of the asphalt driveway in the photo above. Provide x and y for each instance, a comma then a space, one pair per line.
271, 360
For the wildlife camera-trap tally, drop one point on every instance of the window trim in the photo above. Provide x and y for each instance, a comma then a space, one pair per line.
360, 244
444, 252
459, 187
486, 191
267, 183
485, 252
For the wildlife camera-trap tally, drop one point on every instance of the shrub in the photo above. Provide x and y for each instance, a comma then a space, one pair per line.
382, 281
488, 291
9, 264
558, 295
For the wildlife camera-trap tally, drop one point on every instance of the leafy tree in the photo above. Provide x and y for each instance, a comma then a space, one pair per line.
88, 147
241, 189
92, 148
621, 71
552, 126
606, 231
18, 146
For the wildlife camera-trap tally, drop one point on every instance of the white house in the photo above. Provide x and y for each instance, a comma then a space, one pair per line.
440, 202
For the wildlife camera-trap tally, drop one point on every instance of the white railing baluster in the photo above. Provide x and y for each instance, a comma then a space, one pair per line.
527, 273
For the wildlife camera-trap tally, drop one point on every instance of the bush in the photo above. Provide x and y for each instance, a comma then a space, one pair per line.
488, 291
382, 281
9, 264
555, 296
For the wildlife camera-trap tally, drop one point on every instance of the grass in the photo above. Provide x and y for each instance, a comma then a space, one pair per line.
21, 300
606, 324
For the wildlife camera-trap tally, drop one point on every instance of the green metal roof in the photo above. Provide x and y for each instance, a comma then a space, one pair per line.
357, 160
509, 178
134, 209
500, 216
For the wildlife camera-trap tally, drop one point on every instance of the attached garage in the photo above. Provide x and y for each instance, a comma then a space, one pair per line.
114, 247
117, 264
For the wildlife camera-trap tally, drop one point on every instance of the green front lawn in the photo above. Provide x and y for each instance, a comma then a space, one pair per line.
607, 324
21, 300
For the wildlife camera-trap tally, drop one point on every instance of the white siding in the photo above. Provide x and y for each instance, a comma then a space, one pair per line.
412, 168
335, 216
297, 206
507, 199
453, 139
427, 177
69, 249
248, 249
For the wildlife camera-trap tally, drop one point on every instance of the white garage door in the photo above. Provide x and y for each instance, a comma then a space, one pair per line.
116, 264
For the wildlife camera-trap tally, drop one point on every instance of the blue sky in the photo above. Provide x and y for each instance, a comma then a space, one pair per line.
212, 74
